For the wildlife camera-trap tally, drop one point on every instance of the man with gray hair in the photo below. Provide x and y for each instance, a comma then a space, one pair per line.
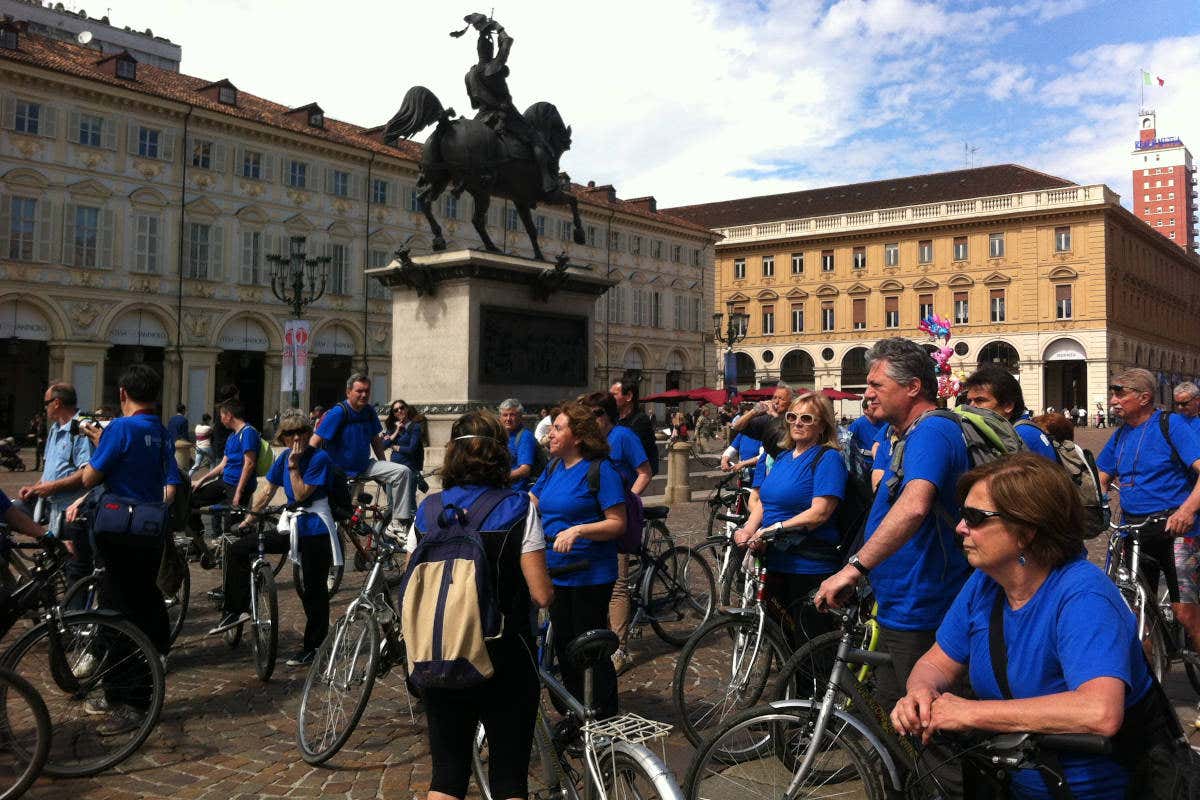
911, 551
1187, 403
351, 433
522, 447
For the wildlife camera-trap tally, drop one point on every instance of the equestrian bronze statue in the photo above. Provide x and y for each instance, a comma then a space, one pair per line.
498, 153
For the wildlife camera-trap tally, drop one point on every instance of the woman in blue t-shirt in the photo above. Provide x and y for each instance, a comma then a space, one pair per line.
407, 434
308, 532
477, 462
1073, 660
803, 488
582, 505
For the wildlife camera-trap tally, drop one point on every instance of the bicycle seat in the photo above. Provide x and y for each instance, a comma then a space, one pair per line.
364, 499
588, 649
656, 512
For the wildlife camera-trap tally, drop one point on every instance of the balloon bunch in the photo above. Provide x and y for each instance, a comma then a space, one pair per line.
938, 329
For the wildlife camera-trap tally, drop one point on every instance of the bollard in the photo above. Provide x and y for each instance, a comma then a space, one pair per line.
679, 488
184, 451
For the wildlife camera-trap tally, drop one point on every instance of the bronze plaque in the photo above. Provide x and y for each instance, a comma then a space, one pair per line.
538, 349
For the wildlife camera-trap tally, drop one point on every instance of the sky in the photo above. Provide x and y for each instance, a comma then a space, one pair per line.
701, 100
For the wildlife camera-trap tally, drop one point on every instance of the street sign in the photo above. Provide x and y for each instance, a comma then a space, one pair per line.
296, 335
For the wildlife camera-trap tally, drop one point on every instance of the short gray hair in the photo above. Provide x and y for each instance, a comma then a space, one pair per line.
1138, 379
357, 377
1188, 388
512, 402
906, 361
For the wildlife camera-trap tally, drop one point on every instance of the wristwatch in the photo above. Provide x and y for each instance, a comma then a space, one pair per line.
858, 565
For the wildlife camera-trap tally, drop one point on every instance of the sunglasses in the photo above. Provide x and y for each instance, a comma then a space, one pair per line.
1118, 389
1182, 403
804, 419
975, 517
48, 402
294, 432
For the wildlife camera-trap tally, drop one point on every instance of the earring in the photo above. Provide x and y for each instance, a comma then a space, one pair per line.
1021, 558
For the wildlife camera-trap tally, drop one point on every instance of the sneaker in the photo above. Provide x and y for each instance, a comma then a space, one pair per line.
229, 621
85, 667
122, 719
96, 706
399, 528
622, 661
302, 658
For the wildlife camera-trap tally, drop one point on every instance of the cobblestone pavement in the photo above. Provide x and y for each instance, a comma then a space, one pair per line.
225, 735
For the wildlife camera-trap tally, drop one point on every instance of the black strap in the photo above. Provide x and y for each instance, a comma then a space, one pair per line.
1164, 425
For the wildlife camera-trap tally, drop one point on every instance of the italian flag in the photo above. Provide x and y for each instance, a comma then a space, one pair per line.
1149, 80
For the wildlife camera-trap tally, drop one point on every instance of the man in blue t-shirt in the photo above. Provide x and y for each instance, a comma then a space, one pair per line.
1153, 480
352, 435
238, 467
178, 425
911, 551
993, 387
522, 447
135, 460
863, 430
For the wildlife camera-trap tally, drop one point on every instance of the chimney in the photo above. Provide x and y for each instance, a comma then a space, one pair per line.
647, 203
607, 191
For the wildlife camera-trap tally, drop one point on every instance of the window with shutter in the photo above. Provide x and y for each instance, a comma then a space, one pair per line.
739, 269
251, 165
996, 301
768, 320
891, 254
960, 248
860, 257
797, 319
827, 261
45, 231
996, 245
379, 192
1063, 302
199, 251
891, 312
147, 228
201, 153
962, 310
252, 258
22, 228
860, 313
797, 263
768, 266
339, 183
925, 251
924, 306
28, 117
827, 316
339, 275
85, 235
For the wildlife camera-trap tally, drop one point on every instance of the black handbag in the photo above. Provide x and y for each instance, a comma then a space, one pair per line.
114, 515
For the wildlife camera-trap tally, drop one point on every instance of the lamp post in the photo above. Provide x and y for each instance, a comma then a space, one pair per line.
735, 331
297, 281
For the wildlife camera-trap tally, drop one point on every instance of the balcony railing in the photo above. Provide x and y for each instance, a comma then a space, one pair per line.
1050, 199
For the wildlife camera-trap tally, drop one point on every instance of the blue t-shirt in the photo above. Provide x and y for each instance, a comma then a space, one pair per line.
789, 490
507, 512
863, 432
1036, 440
883, 454
137, 458
5, 503
747, 447
1140, 460
314, 470
521, 453
177, 426
348, 435
626, 453
407, 448
917, 583
1074, 629
236, 446
564, 499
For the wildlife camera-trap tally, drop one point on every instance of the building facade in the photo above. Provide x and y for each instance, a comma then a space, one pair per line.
56, 22
138, 207
1164, 184
1056, 281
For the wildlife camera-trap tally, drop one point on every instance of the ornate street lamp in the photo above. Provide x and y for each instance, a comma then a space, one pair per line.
735, 330
297, 281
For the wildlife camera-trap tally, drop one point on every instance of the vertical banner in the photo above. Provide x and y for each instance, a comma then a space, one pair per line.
295, 355
730, 374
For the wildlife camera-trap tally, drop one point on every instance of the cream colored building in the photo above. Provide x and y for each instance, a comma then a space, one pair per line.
138, 206
1055, 280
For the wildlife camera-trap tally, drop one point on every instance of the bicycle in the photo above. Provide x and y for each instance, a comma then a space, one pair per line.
617, 764
670, 586
726, 665
366, 642
1164, 639
84, 594
24, 734
264, 599
816, 748
212, 556
75, 660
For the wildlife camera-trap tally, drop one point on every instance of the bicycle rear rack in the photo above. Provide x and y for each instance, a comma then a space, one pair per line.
629, 728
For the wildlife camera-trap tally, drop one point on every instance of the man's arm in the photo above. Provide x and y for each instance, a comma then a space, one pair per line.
249, 467
1181, 521
376, 446
217, 470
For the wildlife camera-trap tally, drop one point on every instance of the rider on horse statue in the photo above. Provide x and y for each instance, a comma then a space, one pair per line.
487, 87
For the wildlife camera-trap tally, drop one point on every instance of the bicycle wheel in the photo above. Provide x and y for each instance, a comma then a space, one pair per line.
633, 772
732, 586
337, 688
264, 628
756, 755
1153, 642
24, 735
331, 583
679, 594
724, 668
657, 539
543, 766
177, 605
93, 656
83, 595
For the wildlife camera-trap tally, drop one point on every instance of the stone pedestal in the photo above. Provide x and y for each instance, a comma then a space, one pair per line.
679, 485
471, 328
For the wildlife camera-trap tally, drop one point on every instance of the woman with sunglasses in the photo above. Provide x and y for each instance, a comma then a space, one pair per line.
802, 488
1071, 657
405, 432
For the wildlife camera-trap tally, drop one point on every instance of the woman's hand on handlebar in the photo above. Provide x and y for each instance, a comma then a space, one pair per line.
742, 536
913, 713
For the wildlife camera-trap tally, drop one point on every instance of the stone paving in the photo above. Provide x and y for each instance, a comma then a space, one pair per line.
223, 734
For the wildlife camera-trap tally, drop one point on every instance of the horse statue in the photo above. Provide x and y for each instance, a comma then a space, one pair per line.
484, 161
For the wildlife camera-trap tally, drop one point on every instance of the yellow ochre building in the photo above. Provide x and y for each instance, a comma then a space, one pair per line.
1055, 280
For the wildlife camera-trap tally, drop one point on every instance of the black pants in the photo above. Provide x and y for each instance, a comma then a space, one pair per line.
576, 610
1162, 550
82, 564
506, 704
793, 593
315, 558
211, 493
129, 586
906, 648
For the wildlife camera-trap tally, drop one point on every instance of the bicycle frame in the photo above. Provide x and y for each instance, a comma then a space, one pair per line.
1126, 570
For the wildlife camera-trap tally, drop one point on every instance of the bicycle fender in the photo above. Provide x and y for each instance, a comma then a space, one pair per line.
664, 780
873, 740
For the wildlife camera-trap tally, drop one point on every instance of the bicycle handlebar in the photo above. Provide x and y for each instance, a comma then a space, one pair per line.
1137, 526
1089, 743
567, 569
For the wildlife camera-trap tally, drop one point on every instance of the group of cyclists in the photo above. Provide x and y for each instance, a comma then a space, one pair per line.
988, 609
